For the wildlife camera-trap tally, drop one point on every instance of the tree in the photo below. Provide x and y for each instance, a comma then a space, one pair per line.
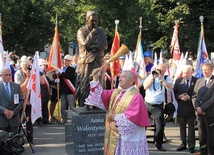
188, 12
29, 24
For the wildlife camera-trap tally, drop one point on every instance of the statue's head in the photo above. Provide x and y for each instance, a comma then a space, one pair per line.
91, 19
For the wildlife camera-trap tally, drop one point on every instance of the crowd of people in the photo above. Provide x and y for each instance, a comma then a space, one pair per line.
128, 110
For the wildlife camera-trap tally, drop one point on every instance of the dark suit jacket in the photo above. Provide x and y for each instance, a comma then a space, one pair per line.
204, 100
9, 104
70, 75
185, 108
108, 82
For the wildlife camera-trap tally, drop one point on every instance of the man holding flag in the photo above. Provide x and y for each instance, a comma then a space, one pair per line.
67, 87
54, 62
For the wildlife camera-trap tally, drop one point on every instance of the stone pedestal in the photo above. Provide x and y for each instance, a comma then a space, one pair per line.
84, 132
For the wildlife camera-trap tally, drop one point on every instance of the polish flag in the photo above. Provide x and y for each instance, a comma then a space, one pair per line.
54, 60
34, 87
175, 48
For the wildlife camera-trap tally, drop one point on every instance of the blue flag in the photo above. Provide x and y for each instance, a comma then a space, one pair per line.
202, 56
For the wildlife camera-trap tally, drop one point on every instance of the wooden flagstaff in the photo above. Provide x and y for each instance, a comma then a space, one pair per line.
113, 76
57, 84
54, 62
24, 105
140, 26
57, 87
0, 24
138, 41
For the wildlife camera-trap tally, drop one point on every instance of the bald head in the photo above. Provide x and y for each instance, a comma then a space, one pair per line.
162, 68
127, 79
187, 68
187, 72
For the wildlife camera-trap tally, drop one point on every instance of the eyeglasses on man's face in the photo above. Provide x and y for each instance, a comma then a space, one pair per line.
6, 74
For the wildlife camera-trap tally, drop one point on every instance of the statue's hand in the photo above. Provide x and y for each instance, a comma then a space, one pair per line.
94, 31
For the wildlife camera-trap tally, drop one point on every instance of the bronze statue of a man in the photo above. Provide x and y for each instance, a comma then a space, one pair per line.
92, 43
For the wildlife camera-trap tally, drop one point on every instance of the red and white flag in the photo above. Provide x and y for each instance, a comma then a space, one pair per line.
161, 58
175, 48
126, 63
155, 62
115, 65
7, 62
129, 63
181, 64
54, 60
1, 49
35, 92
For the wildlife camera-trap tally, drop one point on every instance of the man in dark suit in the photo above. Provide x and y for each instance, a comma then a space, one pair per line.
67, 87
183, 89
11, 102
203, 99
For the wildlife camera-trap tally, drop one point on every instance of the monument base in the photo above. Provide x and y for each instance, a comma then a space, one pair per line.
84, 131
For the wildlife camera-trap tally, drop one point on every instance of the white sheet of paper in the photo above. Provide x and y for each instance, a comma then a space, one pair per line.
16, 98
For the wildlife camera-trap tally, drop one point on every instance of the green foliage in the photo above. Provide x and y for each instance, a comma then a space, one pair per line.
28, 25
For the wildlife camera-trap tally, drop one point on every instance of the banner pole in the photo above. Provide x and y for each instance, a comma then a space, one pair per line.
57, 75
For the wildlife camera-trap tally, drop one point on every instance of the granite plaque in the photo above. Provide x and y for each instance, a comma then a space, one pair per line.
85, 132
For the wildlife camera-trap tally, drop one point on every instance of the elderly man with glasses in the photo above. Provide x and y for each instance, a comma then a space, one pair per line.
11, 102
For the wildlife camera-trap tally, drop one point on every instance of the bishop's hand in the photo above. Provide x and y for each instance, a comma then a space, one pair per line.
96, 74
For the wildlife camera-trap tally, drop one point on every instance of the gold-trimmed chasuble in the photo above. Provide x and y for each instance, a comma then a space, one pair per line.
111, 131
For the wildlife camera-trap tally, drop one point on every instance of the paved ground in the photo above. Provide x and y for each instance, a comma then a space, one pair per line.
50, 140
173, 141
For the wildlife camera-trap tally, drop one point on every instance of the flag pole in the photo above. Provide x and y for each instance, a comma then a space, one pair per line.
57, 84
198, 68
116, 26
139, 35
0, 24
140, 26
138, 42
201, 18
22, 117
24, 106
